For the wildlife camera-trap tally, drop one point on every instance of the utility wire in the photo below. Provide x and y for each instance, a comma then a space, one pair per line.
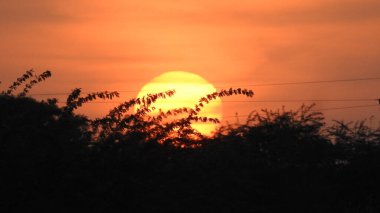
313, 110
255, 101
246, 85
348, 107
318, 110
312, 82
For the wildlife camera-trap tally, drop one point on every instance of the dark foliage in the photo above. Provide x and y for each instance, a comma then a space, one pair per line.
54, 160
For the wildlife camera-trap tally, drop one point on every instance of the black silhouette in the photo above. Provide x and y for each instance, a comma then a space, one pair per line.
54, 160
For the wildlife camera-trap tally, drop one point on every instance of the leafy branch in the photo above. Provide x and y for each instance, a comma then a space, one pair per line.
178, 132
37, 79
28, 74
74, 100
24, 78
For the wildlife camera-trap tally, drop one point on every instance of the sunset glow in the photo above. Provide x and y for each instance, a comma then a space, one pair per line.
189, 88
121, 45
190, 106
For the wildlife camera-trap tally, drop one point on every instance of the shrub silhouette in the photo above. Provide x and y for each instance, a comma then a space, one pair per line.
53, 159
121, 125
283, 138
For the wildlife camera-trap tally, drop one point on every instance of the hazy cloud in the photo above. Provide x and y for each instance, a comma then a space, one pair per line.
19, 12
242, 42
323, 12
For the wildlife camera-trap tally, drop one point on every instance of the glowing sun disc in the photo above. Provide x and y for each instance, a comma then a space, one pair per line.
190, 88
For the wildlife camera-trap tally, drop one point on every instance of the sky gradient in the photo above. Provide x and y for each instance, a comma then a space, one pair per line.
122, 45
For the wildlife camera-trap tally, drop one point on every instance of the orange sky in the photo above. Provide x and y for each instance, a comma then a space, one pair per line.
121, 45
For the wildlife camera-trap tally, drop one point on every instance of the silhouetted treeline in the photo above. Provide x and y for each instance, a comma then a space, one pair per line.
52, 159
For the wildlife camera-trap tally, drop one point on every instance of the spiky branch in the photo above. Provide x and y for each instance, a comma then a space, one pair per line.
74, 100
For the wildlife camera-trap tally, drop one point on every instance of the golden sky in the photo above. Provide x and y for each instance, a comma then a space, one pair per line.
121, 45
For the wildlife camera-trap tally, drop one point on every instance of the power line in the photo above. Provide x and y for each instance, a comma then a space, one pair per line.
308, 100
312, 82
318, 110
242, 85
348, 107
49, 94
255, 101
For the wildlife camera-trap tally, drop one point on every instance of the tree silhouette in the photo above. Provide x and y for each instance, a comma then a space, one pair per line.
53, 159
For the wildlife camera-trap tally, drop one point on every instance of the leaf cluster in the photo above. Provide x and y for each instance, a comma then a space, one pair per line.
148, 124
32, 79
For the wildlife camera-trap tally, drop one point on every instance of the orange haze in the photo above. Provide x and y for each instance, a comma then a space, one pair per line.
121, 45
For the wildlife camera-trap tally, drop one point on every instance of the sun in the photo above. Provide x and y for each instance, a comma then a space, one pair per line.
189, 89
